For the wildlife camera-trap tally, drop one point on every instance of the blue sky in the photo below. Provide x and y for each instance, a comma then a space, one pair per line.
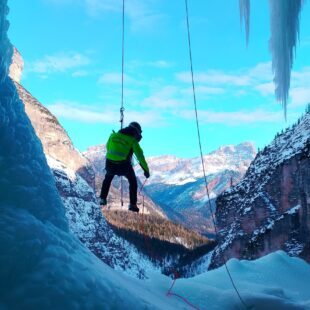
72, 53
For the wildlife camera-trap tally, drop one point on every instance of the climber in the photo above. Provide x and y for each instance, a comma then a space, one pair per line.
120, 148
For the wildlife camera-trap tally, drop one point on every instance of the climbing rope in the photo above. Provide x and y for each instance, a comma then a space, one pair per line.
170, 293
151, 254
122, 109
201, 153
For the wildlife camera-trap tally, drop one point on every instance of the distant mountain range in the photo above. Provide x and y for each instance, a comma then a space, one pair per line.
177, 185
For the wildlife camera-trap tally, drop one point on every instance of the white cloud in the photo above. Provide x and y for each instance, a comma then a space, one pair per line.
161, 64
63, 2
300, 96
235, 118
214, 77
97, 6
142, 14
301, 78
205, 90
115, 78
165, 98
265, 89
61, 62
75, 111
262, 72
80, 73
158, 64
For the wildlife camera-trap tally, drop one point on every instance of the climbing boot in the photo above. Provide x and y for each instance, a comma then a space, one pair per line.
133, 208
103, 202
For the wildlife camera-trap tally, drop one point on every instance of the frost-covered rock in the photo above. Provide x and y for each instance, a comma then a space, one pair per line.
17, 66
88, 224
75, 181
269, 209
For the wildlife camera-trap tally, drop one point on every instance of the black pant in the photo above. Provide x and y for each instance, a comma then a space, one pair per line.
125, 169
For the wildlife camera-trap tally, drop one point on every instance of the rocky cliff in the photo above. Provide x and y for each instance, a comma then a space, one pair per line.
270, 209
16, 67
56, 142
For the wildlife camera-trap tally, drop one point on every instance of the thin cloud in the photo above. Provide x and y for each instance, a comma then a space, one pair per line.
300, 92
115, 78
58, 63
80, 73
265, 89
166, 98
236, 118
161, 64
205, 90
158, 64
261, 72
215, 77
74, 111
300, 96
301, 77
63, 2
142, 14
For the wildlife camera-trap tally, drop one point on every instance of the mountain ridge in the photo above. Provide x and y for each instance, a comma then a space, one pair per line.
269, 209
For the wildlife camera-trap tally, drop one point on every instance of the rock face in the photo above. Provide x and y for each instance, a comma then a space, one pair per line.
56, 142
87, 223
270, 209
16, 67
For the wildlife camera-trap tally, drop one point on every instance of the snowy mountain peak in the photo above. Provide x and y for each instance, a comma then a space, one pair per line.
178, 171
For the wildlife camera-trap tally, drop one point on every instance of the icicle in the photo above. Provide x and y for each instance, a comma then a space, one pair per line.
284, 23
244, 6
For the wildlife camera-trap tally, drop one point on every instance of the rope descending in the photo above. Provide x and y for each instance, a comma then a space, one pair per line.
201, 153
122, 109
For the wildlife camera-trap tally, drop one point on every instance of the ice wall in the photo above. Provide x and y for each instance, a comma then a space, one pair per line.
25, 180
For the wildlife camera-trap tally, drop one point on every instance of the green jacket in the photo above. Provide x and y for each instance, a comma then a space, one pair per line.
120, 147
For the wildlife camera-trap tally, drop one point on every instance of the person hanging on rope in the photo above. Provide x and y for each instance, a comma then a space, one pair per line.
120, 148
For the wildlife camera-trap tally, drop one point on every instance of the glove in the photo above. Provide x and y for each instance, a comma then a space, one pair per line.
146, 174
